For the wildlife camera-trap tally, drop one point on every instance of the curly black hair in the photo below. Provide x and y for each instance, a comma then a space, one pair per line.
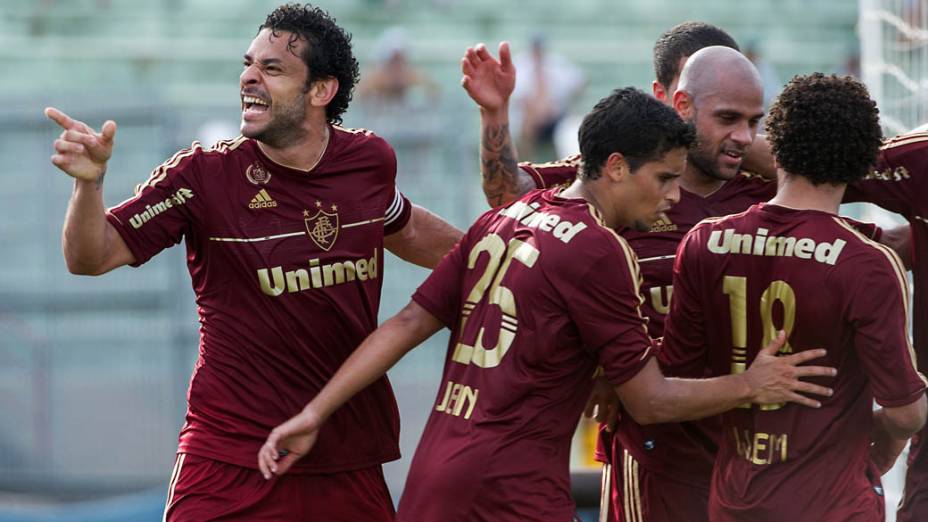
328, 54
684, 40
825, 128
634, 124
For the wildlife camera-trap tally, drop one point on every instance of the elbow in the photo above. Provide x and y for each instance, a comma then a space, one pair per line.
83, 269
915, 422
78, 266
908, 420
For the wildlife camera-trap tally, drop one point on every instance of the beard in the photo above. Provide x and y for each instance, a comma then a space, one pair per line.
706, 161
285, 126
641, 226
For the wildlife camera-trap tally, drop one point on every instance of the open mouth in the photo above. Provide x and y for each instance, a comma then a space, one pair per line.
252, 105
733, 156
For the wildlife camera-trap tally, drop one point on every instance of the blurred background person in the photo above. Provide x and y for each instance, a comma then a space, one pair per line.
543, 99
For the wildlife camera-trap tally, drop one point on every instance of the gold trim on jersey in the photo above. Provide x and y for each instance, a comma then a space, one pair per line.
573, 160
901, 278
631, 260
351, 130
161, 171
753, 175
631, 493
904, 139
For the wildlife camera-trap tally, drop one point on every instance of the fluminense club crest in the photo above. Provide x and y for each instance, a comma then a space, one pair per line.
322, 227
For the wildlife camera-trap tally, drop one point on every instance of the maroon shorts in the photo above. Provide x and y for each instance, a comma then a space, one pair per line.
640, 496
914, 504
203, 489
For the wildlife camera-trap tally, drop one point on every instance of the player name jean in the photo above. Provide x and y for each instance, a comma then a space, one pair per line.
459, 398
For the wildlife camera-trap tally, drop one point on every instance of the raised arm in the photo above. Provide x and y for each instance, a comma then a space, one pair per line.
401, 333
424, 240
652, 398
490, 83
90, 243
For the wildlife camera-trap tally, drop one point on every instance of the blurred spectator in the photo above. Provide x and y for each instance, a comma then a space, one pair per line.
541, 100
392, 80
768, 75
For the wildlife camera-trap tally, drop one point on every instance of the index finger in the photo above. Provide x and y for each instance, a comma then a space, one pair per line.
66, 122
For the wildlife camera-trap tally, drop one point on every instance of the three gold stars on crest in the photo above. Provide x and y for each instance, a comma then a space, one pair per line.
319, 205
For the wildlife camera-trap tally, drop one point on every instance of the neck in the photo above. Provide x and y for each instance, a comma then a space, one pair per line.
584, 190
303, 154
697, 182
799, 193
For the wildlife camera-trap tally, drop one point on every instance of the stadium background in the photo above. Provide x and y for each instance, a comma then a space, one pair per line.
93, 371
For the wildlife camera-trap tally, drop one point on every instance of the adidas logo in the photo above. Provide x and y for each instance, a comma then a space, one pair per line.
664, 224
262, 200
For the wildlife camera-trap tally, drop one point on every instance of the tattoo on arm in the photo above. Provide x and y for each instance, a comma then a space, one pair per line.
99, 182
503, 180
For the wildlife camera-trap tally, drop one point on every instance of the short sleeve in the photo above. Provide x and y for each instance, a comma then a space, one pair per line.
163, 208
683, 351
606, 307
555, 173
878, 309
899, 179
397, 214
440, 293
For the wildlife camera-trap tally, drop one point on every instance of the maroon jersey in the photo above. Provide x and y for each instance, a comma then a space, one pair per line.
739, 279
682, 452
537, 295
900, 184
286, 266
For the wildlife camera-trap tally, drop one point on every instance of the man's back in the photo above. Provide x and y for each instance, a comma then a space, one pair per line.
537, 294
737, 281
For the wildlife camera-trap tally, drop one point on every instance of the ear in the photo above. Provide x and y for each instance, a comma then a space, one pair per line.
322, 91
683, 104
659, 91
616, 168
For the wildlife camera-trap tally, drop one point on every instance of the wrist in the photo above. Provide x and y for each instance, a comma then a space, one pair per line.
498, 115
746, 390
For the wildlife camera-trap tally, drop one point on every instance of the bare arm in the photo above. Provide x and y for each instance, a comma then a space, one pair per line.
892, 428
90, 243
759, 158
900, 240
651, 398
377, 354
424, 240
490, 83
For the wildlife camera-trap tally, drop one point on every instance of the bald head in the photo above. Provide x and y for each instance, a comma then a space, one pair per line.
717, 69
720, 92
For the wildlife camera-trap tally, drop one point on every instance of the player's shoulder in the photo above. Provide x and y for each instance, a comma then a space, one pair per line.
190, 162
360, 139
570, 162
910, 140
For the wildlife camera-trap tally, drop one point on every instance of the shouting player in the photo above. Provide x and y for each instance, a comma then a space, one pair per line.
285, 228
